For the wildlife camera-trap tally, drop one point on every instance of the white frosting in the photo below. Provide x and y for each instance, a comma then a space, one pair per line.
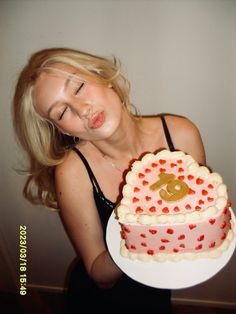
125, 201
144, 219
130, 178
221, 203
215, 177
136, 166
222, 190
127, 190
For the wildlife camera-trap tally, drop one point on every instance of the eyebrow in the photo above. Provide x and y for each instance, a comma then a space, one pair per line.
69, 79
66, 83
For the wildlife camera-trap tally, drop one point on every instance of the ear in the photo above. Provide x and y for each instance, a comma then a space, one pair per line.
64, 133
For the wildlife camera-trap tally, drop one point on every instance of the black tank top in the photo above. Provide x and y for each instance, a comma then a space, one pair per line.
105, 206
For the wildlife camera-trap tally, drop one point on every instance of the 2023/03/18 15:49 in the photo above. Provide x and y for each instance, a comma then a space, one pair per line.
23, 260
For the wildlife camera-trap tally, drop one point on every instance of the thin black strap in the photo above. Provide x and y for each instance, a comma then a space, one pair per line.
167, 134
89, 170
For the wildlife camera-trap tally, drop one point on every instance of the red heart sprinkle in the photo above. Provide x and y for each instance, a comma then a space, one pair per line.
199, 247
197, 208
152, 231
176, 209
201, 238
200, 202
159, 202
190, 177
191, 192
136, 189
162, 161
175, 250
192, 226
154, 165
212, 221
123, 235
210, 199
148, 198
180, 170
126, 229
152, 209
188, 206
204, 192
182, 246
135, 199
223, 236
181, 237
210, 186
138, 210
133, 247
222, 226
162, 170
147, 170
165, 240
161, 248
199, 181
179, 161
181, 178
173, 165
150, 252
170, 231
165, 210
144, 244
212, 244
143, 235
145, 182
141, 175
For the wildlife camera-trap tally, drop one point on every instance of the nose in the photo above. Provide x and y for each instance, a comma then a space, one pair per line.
83, 110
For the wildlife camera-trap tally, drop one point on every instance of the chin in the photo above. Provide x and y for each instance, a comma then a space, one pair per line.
110, 128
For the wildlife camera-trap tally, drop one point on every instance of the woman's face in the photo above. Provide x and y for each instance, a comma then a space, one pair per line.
87, 110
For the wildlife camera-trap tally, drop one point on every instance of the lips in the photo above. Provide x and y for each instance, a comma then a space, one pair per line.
97, 120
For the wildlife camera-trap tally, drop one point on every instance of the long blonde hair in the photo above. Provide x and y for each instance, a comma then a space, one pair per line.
45, 145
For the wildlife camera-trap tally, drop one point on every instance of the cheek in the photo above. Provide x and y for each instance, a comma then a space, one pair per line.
113, 118
114, 105
71, 127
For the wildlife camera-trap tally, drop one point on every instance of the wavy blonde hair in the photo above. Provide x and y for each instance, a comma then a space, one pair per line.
45, 146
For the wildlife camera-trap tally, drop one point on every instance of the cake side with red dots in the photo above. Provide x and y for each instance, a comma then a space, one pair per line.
173, 208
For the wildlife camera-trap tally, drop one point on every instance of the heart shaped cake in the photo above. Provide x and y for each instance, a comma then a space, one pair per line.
173, 208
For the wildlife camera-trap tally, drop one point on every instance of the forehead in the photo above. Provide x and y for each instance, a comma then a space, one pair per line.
60, 72
53, 78
50, 85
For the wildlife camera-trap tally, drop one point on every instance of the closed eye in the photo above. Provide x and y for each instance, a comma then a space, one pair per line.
78, 89
62, 114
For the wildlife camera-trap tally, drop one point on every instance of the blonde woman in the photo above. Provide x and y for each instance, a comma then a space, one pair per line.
72, 115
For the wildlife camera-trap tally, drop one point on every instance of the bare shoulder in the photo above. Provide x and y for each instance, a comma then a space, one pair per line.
70, 177
186, 137
181, 124
67, 167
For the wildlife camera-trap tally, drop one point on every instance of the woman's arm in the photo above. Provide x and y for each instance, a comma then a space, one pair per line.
81, 220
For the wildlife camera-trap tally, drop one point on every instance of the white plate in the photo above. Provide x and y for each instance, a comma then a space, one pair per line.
166, 275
